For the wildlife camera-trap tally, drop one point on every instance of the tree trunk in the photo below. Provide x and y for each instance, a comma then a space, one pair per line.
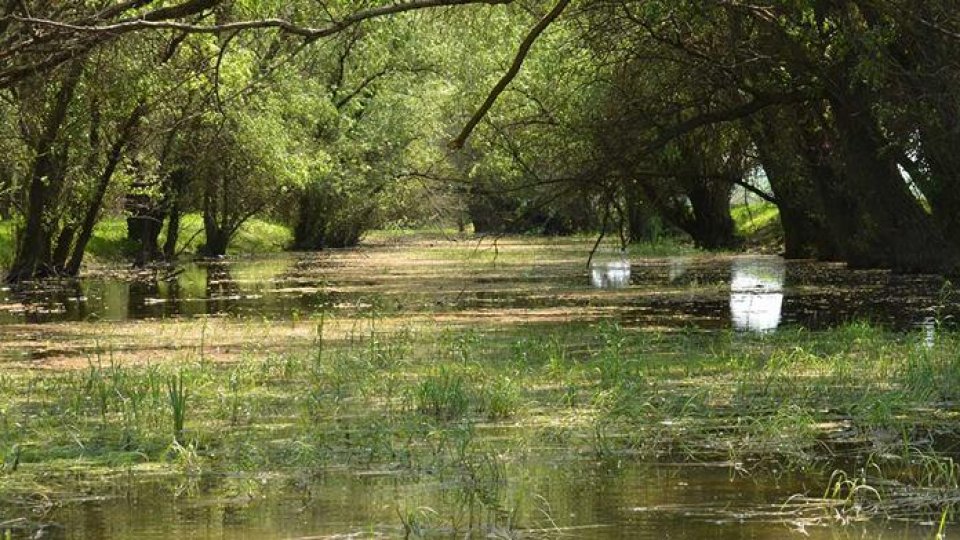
792, 178
641, 216
887, 226
711, 226
941, 149
217, 235
309, 233
173, 233
33, 255
177, 185
63, 245
96, 200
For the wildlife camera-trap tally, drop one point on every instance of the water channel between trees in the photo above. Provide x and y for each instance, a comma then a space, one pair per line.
553, 493
742, 293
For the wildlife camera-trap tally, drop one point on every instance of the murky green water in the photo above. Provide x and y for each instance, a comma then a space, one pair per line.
547, 497
743, 293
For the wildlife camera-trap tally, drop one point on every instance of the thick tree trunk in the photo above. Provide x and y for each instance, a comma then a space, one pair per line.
217, 235
641, 216
63, 245
309, 233
792, 178
216, 242
712, 225
144, 225
941, 150
887, 226
34, 249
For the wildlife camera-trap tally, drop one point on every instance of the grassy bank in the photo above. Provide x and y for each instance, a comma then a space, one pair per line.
875, 404
109, 241
752, 218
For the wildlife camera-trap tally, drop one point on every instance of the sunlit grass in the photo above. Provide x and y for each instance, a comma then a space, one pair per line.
6, 243
109, 242
256, 236
751, 218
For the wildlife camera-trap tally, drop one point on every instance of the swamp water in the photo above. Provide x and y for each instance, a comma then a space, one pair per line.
745, 293
543, 493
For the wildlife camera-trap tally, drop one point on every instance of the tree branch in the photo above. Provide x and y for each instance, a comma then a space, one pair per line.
718, 117
160, 20
511, 73
76, 37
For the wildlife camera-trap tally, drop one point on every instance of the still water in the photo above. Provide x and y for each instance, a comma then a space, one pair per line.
746, 293
560, 498
566, 496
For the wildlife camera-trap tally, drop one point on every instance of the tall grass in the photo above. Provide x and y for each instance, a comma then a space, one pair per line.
413, 400
177, 395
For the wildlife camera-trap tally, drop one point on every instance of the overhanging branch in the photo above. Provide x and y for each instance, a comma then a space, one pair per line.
511, 73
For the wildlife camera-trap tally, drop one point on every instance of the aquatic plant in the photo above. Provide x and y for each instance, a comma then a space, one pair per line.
177, 395
443, 395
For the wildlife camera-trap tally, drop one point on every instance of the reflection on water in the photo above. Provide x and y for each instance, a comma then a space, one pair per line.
756, 293
543, 499
625, 500
928, 330
610, 275
677, 267
237, 287
746, 293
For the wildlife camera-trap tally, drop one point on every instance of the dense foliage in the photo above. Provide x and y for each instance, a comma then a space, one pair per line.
594, 115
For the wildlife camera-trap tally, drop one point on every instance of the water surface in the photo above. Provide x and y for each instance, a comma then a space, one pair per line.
750, 293
562, 496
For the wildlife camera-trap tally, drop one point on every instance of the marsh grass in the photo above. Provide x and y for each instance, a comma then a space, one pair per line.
410, 399
177, 396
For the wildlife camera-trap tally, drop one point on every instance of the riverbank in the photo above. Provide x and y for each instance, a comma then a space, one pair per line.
109, 244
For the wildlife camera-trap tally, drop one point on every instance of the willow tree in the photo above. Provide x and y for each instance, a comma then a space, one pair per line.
49, 53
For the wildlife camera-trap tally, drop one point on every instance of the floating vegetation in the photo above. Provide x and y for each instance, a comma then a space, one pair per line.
482, 429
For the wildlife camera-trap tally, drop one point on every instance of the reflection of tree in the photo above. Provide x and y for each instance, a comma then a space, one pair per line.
222, 290
74, 301
140, 291
754, 274
610, 276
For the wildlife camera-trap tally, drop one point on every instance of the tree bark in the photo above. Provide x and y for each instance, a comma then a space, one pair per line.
887, 226
792, 178
96, 200
177, 183
641, 217
33, 256
711, 224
